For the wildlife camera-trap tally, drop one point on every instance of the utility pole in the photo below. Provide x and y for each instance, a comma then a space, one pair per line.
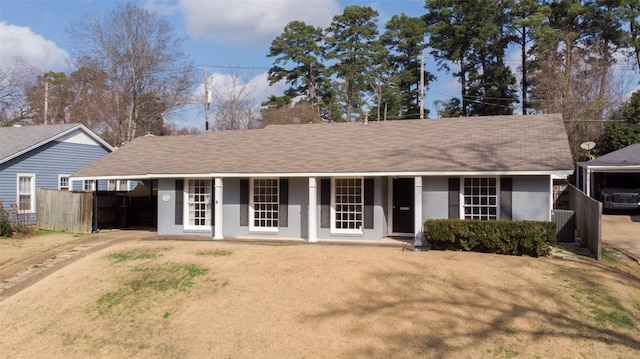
421, 87
46, 101
206, 101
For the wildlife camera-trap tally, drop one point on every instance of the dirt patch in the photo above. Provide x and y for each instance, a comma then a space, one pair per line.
237, 300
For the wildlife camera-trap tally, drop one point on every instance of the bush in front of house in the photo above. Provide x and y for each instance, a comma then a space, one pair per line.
532, 238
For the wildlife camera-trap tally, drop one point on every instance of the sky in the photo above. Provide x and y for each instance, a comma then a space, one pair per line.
219, 34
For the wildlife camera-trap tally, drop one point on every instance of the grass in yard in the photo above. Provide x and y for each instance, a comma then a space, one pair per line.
600, 306
609, 257
274, 244
216, 253
44, 232
146, 280
135, 254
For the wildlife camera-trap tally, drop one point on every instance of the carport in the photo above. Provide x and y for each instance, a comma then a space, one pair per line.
591, 175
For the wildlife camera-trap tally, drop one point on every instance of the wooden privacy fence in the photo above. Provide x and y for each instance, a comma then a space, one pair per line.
64, 210
588, 219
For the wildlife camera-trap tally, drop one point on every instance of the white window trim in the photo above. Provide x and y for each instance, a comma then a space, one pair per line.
93, 186
185, 208
252, 227
60, 176
118, 185
32, 190
461, 198
334, 230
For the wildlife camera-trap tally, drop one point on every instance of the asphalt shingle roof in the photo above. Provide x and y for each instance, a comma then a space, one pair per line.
472, 144
18, 139
628, 156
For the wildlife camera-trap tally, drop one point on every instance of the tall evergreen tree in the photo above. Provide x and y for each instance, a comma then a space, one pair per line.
405, 39
300, 45
474, 35
351, 44
631, 17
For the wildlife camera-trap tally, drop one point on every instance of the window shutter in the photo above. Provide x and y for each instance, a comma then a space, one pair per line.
179, 201
325, 203
368, 202
506, 186
283, 208
454, 198
244, 202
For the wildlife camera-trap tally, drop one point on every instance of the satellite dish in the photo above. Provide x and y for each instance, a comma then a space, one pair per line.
587, 146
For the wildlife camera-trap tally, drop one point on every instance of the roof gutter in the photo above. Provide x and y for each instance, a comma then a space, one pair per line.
559, 174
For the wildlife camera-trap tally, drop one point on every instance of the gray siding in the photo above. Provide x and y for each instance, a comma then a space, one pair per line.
166, 210
298, 211
530, 201
46, 162
531, 198
379, 217
435, 197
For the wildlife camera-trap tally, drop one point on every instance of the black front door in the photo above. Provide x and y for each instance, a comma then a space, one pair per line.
403, 205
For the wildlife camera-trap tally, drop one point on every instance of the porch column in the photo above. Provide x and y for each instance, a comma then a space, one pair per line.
217, 209
313, 210
418, 234
587, 182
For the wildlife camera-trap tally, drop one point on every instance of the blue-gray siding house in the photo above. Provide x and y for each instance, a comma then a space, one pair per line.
350, 181
45, 156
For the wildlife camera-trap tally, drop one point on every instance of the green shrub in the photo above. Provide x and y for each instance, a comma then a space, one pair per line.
506, 237
5, 226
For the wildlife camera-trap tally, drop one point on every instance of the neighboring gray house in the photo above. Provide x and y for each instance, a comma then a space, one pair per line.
347, 180
44, 156
613, 179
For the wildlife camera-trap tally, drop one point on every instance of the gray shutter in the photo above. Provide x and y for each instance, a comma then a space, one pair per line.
179, 201
283, 208
244, 202
325, 203
506, 186
368, 202
454, 198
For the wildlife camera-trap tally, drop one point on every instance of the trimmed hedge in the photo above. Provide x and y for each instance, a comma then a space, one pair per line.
505, 237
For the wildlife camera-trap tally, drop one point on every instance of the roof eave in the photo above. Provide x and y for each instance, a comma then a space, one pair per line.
55, 137
561, 173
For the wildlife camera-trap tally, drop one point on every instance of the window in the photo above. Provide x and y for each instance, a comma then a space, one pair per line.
198, 202
480, 198
348, 205
264, 204
26, 188
63, 182
118, 185
88, 186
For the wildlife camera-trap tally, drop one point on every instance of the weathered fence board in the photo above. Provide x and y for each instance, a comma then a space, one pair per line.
64, 210
588, 220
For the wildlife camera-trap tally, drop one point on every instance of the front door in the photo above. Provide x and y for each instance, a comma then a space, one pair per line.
403, 205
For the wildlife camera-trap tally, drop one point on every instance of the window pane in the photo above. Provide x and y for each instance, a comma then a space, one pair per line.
265, 202
348, 203
480, 198
199, 202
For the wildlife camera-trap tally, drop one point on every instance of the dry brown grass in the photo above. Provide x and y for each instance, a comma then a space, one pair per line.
171, 299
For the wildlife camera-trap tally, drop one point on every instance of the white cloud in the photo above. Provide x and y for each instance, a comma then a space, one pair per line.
35, 49
250, 22
257, 86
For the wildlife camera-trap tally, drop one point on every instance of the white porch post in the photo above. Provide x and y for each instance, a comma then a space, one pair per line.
217, 220
551, 198
587, 182
313, 210
418, 234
